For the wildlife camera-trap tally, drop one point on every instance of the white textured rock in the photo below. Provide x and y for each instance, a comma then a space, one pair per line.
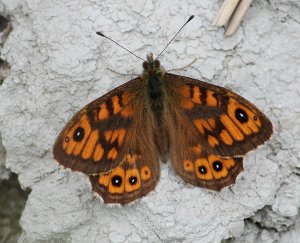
58, 64
4, 172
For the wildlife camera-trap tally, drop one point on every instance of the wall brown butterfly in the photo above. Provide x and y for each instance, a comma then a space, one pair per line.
118, 139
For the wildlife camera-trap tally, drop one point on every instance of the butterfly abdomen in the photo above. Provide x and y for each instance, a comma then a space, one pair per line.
156, 99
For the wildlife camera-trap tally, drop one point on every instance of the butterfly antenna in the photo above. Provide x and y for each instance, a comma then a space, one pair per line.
190, 18
99, 33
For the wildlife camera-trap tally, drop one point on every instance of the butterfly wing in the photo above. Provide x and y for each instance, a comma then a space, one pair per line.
99, 136
210, 129
133, 179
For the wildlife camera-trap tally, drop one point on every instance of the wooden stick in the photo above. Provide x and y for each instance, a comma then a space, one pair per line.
225, 12
237, 17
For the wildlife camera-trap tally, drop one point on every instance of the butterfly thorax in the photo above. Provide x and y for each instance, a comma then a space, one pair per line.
153, 75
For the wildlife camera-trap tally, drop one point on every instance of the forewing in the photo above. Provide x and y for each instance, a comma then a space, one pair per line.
97, 138
226, 123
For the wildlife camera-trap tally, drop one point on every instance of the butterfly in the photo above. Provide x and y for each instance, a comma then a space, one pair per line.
119, 139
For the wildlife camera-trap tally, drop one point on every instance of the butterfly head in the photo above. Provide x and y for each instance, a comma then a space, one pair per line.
152, 67
151, 63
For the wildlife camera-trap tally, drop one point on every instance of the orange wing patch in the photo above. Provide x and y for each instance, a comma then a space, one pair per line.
107, 135
116, 104
124, 108
145, 173
232, 128
226, 138
197, 149
127, 112
112, 135
202, 125
190, 98
239, 122
119, 135
112, 154
213, 141
103, 112
132, 180
202, 169
116, 182
217, 166
210, 99
104, 180
244, 118
196, 95
209, 168
188, 165
77, 136
70, 147
120, 180
90, 145
98, 153
212, 122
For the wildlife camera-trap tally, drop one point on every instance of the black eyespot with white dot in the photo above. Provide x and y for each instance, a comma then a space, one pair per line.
133, 180
67, 139
241, 115
217, 165
78, 134
116, 180
202, 169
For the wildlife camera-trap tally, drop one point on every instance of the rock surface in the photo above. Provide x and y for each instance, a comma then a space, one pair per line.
58, 65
